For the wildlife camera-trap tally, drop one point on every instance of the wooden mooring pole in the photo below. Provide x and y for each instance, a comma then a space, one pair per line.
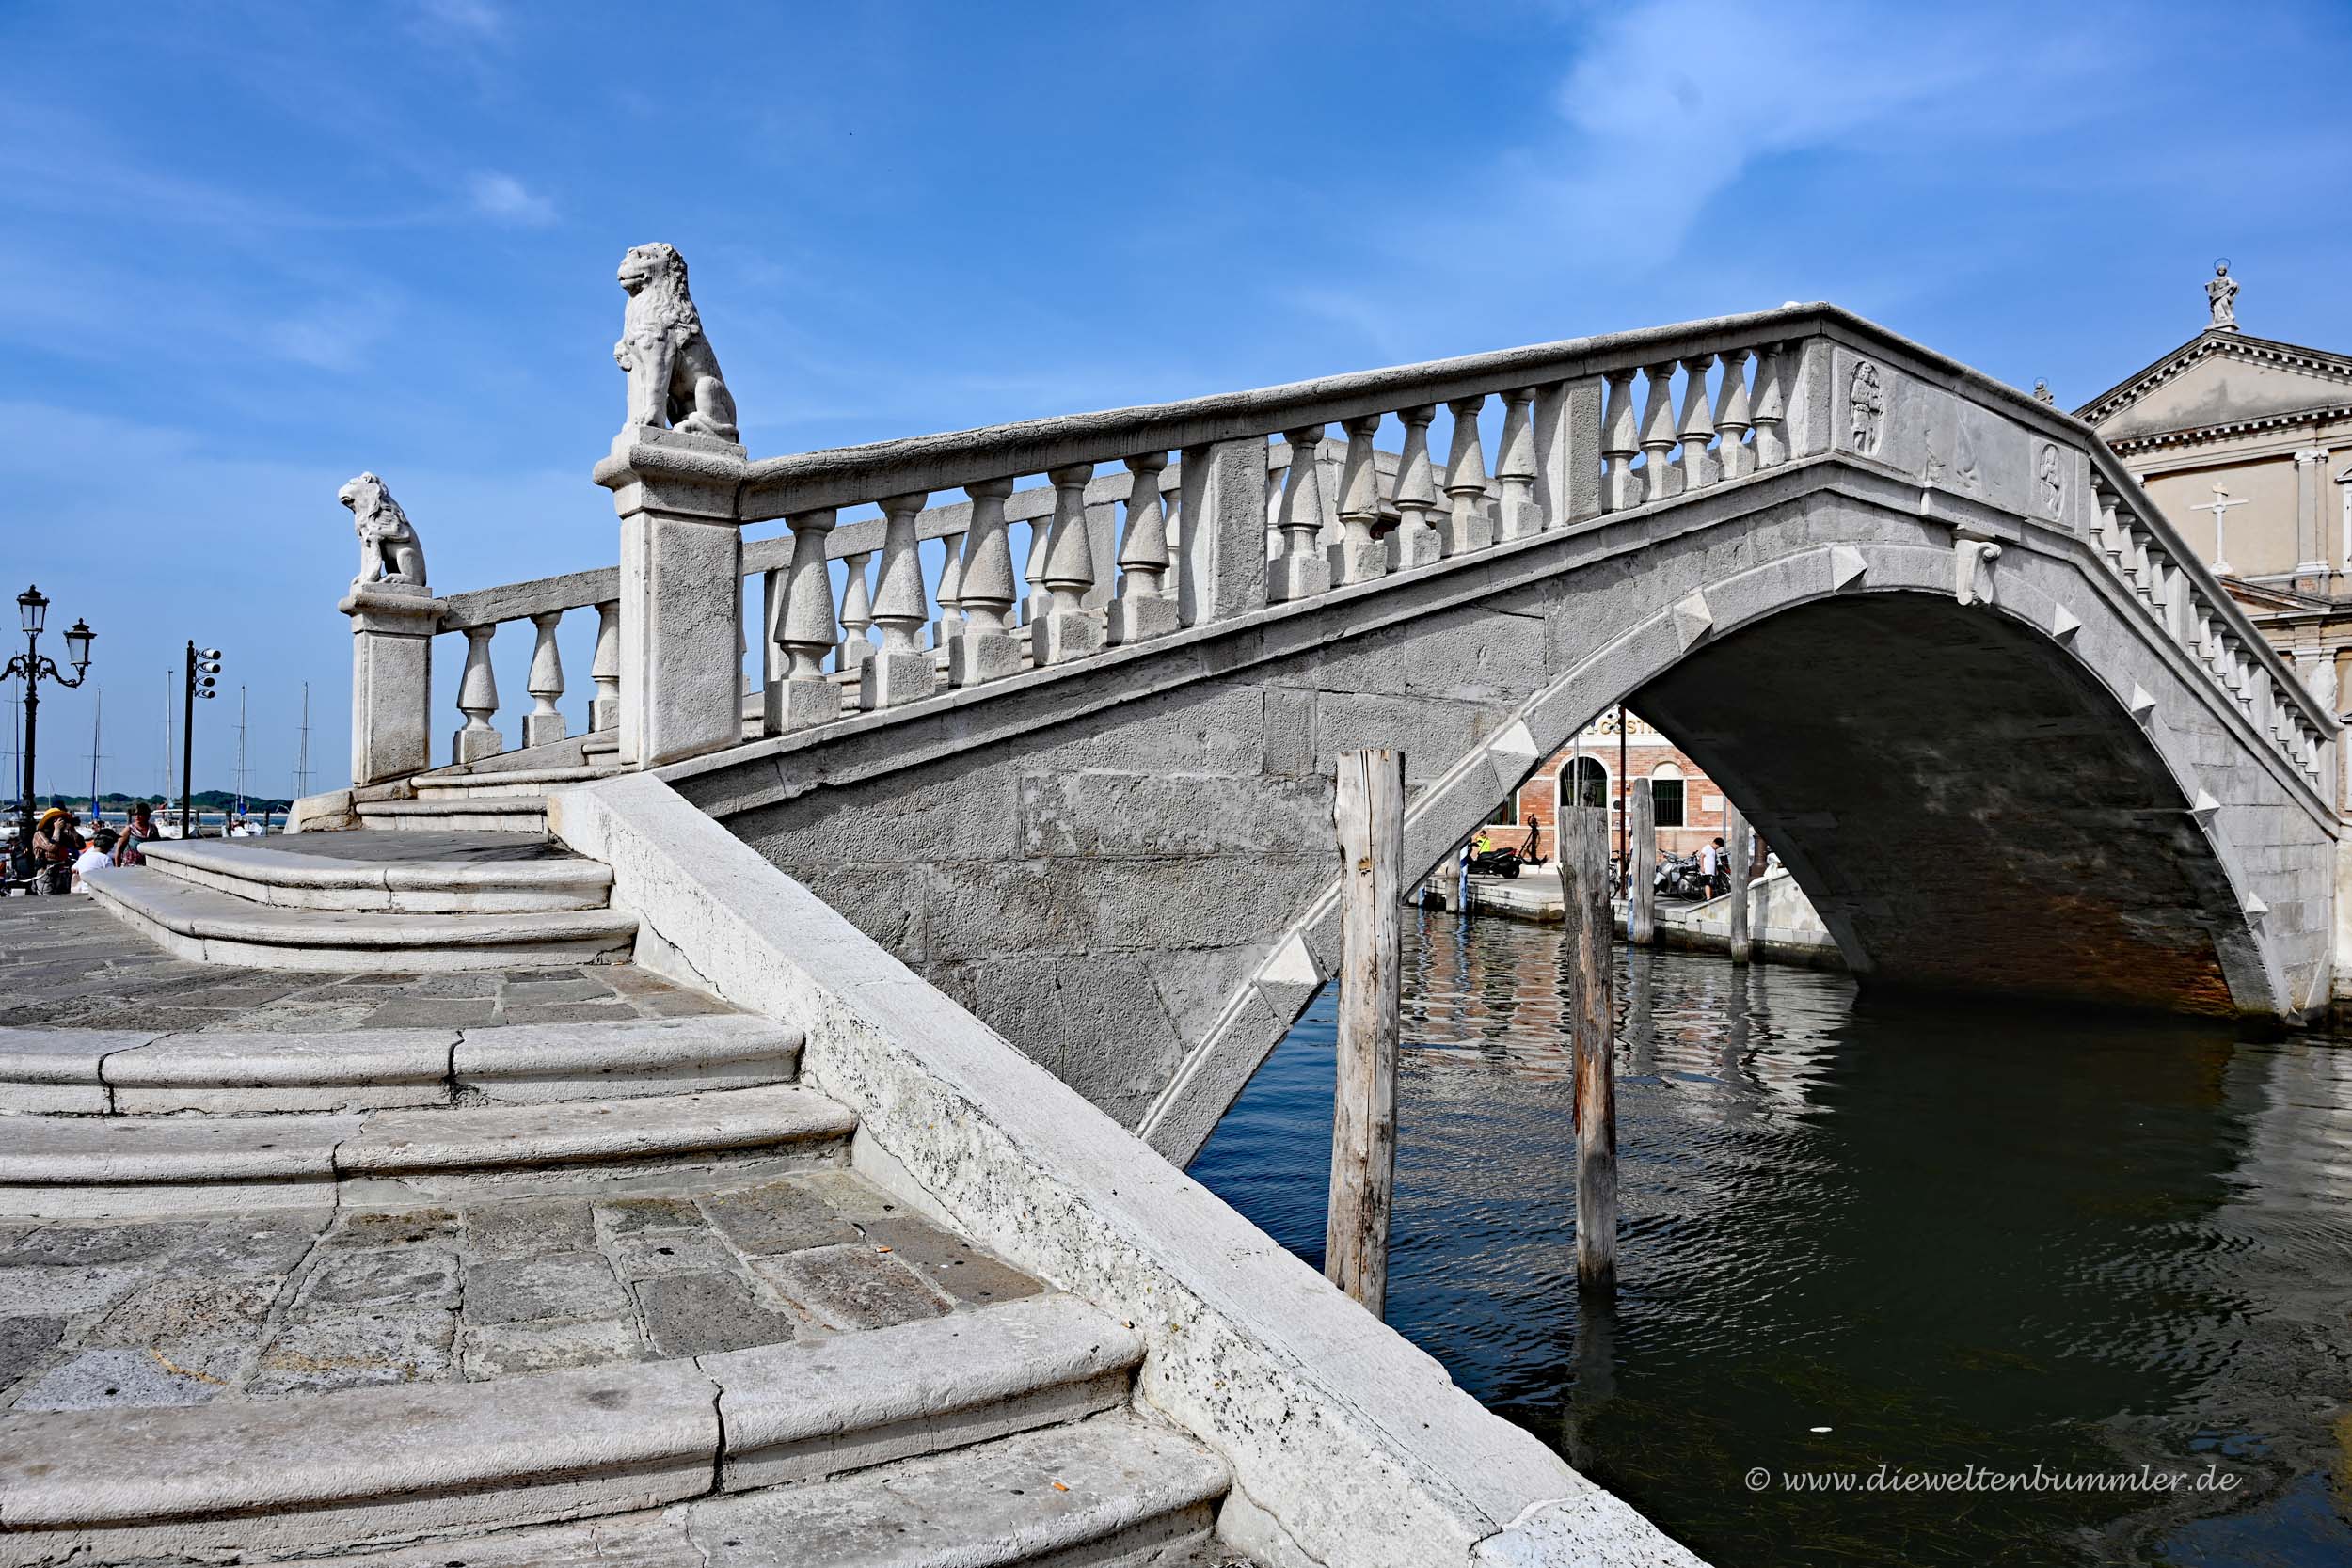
1585, 882
1641, 900
1739, 849
1370, 813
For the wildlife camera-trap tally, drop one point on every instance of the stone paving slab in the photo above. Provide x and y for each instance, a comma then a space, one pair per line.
193, 1309
65, 963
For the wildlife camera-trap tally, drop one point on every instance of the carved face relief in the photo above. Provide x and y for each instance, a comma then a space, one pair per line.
1866, 404
2049, 484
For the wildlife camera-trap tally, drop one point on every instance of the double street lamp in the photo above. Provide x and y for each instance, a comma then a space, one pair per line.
33, 606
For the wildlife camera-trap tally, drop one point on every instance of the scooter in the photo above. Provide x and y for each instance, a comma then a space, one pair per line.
1497, 862
1677, 876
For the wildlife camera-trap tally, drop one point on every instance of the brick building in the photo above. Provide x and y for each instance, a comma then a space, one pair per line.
1690, 807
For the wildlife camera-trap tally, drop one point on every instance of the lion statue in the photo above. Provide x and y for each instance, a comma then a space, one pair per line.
388, 550
674, 376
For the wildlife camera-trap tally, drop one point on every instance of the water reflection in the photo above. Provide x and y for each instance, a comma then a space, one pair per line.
1949, 1237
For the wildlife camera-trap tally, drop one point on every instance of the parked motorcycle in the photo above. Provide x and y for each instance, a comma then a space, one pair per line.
1497, 862
1677, 876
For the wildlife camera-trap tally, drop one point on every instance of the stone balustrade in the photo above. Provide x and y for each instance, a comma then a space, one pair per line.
1142, 522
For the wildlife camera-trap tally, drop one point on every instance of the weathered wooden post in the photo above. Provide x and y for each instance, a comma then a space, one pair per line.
1739, 850
1583, 834
1371, 818
1640, 903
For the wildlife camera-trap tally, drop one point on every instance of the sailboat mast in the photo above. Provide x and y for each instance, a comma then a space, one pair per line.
240, 750
98, 708
302, 756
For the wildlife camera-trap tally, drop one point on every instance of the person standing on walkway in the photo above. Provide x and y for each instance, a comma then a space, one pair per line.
1710, 857
138, 830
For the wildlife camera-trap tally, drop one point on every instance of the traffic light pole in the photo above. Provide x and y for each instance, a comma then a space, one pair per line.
187, 740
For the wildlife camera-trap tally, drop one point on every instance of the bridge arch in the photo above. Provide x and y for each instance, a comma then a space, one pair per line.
1129, 872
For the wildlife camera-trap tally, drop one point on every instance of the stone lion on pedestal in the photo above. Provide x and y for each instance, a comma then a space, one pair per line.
674, 376
388, 549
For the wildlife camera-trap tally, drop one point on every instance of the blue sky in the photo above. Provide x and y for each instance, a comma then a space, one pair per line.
261, 248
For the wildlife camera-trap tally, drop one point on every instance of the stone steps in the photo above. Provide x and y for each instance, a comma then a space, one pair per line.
506, 781
110, 1073
1138, 1496
450, 885
54, 1166
209, 926
336, 1471
501, 813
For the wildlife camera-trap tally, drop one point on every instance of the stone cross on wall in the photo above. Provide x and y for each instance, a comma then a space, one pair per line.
2219, 506
2222, 295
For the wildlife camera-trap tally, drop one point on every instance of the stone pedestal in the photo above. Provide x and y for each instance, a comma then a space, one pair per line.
681, 587
469, 745
1141, 617
1408, 548
392, 679
891, 676
983, 655
1059, 636
803, 705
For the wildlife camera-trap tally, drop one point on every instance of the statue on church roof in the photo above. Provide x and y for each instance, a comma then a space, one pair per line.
2041, 394
2221, 294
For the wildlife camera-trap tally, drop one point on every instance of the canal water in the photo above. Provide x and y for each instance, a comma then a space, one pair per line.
1952, 1239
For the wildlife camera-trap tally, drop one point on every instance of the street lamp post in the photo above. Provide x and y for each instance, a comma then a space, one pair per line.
33, 608
203, 664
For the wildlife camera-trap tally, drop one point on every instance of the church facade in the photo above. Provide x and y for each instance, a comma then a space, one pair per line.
2245, 444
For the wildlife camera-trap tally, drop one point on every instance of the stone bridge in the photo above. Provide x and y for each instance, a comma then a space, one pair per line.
2010, 736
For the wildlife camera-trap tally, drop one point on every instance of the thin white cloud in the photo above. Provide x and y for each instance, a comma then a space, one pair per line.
509, 200
462, 21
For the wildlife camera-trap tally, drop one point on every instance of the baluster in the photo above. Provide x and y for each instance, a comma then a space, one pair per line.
1144, 608
1300, 570
1275, 479
1415, 542
1618, 445
1735, 458
1468, 525
805, 695
1696, 429
2115, 526
950, 622
1514, 468
477, 699
899, 671
1033, 603
1066, 630
1359, 556
988, 649
542, 725
1771, 407
1658, 432
857, 614
1172, 524
604, 710
2102, 510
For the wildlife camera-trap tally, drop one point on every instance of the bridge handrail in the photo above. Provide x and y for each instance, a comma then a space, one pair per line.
1218, 521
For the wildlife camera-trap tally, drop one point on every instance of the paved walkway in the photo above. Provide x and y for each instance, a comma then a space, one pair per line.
66, 964
212, 1307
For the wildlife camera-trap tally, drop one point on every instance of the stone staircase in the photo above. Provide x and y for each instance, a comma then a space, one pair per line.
593, 1289
464, 799
452, 899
